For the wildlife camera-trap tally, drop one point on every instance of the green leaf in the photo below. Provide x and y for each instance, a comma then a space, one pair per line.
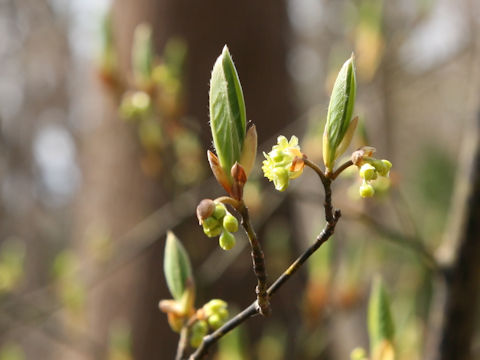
340, 112
227, 112
176, 265
142, 54
380, 322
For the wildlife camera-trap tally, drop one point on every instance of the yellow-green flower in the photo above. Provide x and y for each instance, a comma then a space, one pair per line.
283, 163
369, 169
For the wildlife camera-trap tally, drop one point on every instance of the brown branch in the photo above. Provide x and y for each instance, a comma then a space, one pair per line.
182, 343
254, 308
341, 168
258, 262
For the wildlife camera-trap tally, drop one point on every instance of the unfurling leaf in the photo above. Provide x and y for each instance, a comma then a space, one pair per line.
227, 112
177, 268
339, 117
380, 323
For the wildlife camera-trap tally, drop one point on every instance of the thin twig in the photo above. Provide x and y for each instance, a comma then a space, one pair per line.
254, 309
341, 168
258, 258
258, 261
326, 181
182, 343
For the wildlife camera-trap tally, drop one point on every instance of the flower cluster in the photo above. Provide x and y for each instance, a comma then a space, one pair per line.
283, 163
213, 315
369, 169
216, 220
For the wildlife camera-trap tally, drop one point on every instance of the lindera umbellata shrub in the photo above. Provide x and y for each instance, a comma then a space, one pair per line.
235, 144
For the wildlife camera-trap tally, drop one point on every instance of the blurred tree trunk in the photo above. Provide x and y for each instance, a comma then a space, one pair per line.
116, 195
456, 304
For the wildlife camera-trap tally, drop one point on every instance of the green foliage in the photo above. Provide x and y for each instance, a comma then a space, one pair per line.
380, 322
176, 266
227, 112
339, 127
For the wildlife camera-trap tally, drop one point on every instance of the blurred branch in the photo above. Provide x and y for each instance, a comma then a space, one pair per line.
414, 243
457, 297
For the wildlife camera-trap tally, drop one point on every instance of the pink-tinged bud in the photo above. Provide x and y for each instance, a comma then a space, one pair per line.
218, 172
358, 155
205, 209
239, 180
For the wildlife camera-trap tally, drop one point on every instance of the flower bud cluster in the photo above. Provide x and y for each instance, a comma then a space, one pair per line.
369, 169
213, 315
280, 165
217, 220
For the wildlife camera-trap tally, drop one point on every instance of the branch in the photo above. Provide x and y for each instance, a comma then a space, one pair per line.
258, 258
254, 309
258, 262
182, 343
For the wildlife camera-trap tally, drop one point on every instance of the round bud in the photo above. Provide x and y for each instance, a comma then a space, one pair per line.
230, 223
210, 223
222, 313
368, 172
219, 211
205, 209
226, 240
198, 331
213, 306
366, 190
213, 232
215, 321
387, 165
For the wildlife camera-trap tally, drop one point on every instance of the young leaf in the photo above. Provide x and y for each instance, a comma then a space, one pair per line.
340, 112
227, 112
380, 323
176, 265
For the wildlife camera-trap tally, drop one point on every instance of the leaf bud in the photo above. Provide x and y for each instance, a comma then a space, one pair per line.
339, 116
227, 112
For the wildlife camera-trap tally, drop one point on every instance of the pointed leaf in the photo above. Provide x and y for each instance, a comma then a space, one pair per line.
340, 110
380, 323
227, 111
176, 265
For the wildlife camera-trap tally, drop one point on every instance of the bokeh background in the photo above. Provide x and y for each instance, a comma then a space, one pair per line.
102, 150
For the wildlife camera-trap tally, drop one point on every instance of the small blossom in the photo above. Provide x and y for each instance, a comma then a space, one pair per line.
280, 165
369, 169
366, 190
